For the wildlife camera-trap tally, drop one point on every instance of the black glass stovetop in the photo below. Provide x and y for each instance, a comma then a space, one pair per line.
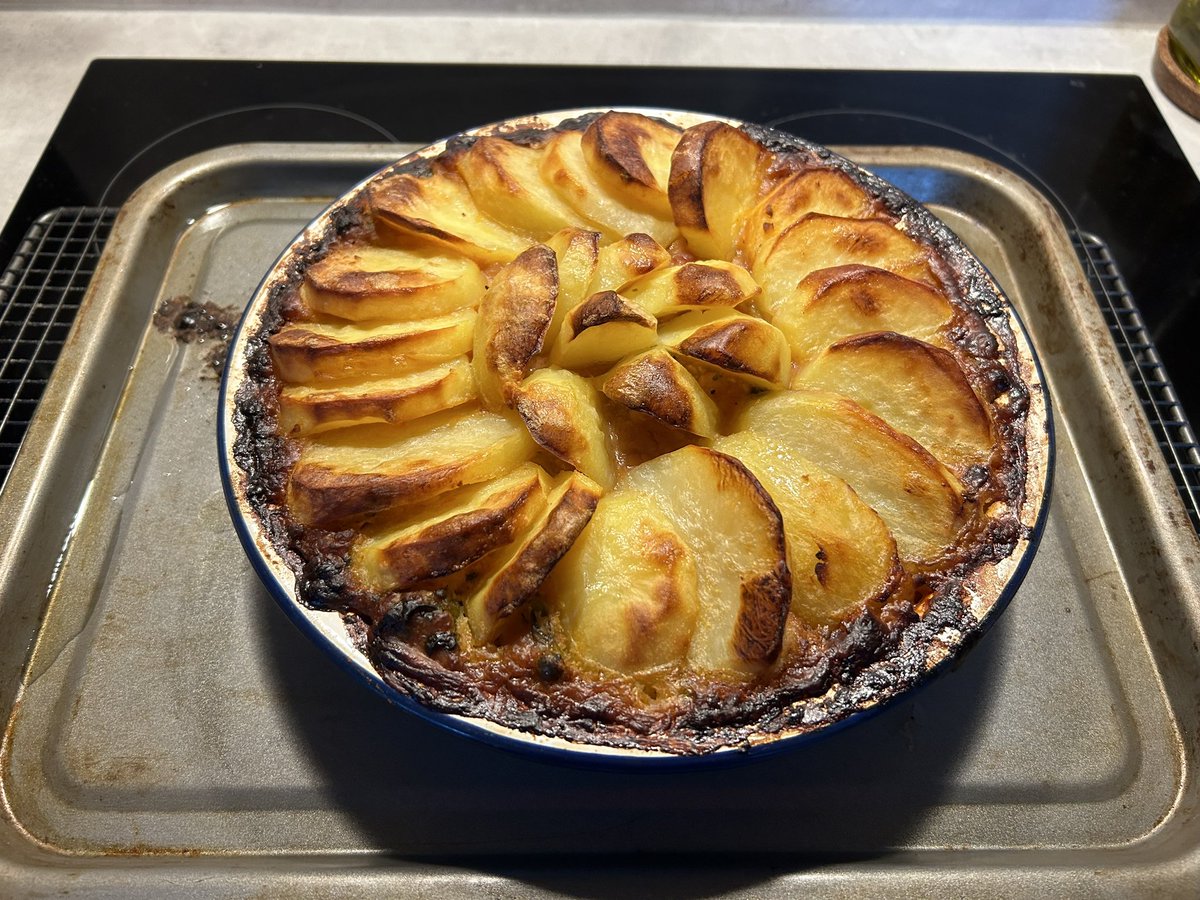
1096, 145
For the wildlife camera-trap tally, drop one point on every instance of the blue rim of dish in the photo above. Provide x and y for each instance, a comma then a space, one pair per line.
558, 751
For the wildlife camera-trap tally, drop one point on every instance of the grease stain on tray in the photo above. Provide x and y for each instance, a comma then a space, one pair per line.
199, 323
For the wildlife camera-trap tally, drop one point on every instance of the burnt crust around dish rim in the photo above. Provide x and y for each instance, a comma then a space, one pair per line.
532, 684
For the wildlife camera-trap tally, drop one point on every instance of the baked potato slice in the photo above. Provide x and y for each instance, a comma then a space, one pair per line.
718, 174
831, 304
514, 318
562, 412
740, 345
918, 498
630, 155
566, 169
304, 409
655, 384
694, 285
505, 181
438, 212
601, 330
825, 191
364, 282
354, 473
494, 608
449, 533
627, 591
840, 552
626, 260
744, 583
820, 242
315, 352
918, 389
576, 252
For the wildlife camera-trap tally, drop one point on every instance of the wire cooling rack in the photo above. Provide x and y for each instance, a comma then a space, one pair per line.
42, 288
40, 293
1144, 368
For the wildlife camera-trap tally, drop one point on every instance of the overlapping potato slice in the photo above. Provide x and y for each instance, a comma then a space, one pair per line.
742, 345
364, 282
694, 285
825, 191
313, 351
735, 534
840, 552
626, 260
565, 167
451, 532
918, 389
656, 384
916, 496
718, 174
493, 609
820, 242
576, 252
353, 473
834, 303
438, 211
304, 409
514, 317
628, 591
602, 329
630, 154
562, 412
506, 182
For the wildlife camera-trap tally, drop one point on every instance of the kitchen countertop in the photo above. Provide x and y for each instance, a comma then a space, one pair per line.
43, 54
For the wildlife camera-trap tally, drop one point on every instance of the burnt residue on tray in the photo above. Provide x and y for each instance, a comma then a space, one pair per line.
199, 323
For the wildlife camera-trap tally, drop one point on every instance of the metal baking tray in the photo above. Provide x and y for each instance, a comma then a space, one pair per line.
167, 728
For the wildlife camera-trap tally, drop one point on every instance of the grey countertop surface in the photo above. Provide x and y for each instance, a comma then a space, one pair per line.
45, 48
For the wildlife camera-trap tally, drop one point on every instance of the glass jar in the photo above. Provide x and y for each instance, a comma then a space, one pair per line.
1184, 29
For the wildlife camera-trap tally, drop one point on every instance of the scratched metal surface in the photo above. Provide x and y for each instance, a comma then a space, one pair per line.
167, 726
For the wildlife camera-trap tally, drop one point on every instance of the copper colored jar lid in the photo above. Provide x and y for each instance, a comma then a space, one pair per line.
1177, 84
